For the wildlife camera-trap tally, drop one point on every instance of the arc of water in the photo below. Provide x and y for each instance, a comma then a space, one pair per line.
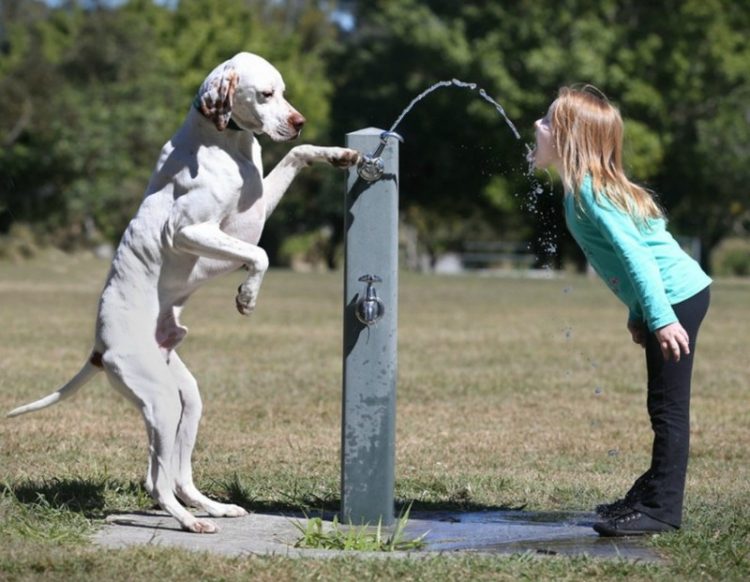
456, 83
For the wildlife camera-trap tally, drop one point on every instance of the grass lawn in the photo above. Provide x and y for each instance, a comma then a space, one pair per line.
511, 392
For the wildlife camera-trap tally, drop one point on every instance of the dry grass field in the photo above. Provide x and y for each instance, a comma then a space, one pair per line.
511, 392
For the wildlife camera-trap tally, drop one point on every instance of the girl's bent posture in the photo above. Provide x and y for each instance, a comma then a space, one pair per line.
621, 230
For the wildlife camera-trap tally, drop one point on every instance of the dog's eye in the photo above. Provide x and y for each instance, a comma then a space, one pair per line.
267, 94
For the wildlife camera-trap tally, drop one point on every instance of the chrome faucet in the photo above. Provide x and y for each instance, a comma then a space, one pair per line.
370, 308
371, 166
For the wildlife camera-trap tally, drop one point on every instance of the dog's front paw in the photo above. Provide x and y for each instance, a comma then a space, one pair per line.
246, 299
201, 526
226, 510
342, 157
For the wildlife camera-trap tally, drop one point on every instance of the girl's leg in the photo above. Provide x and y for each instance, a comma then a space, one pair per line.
636, 491
669, 409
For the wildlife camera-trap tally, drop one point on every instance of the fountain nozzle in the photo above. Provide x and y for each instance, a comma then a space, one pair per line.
371, 166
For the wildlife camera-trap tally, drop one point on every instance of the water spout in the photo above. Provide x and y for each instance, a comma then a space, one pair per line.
370, 166
456, 83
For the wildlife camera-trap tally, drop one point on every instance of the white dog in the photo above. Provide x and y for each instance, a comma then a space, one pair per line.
202, 216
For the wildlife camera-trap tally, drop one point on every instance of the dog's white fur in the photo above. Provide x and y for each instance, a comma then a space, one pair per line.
202, 216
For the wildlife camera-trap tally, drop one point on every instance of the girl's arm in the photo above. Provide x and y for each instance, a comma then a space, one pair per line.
643, 272
631, 249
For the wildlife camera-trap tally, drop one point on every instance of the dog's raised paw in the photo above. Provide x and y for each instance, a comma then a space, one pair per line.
242, 307
343, 157
245, 300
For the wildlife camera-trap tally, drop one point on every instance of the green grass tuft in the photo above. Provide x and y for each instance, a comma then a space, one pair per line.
39, 520
363, 538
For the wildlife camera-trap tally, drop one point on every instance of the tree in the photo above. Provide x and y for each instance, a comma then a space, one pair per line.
93, 94
707, 83
669, 66
454, 142
98, 108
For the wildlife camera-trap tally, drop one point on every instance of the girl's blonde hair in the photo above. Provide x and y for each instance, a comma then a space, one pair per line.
587, 131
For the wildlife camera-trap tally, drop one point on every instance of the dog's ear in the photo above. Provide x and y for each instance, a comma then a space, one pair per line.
217, 95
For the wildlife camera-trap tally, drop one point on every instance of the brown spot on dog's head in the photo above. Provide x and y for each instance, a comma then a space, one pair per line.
217, 95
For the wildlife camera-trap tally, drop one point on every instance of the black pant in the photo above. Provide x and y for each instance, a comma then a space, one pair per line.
659, 491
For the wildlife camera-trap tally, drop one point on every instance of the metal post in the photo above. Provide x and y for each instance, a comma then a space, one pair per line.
368, 431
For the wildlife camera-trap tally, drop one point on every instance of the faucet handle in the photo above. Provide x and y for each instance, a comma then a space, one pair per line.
370, 279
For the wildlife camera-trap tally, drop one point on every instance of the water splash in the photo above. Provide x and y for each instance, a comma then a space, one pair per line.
455, 83
529, 157
547, 243
549, 178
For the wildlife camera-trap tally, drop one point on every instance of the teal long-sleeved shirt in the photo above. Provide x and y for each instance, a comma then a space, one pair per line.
645, 267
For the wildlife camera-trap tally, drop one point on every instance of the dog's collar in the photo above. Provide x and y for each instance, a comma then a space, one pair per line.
231, 125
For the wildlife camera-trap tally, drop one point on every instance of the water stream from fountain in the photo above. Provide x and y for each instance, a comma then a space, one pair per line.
462, 84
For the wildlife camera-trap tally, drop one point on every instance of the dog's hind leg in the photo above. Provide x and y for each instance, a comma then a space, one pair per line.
146, 379
208, 240
186, 435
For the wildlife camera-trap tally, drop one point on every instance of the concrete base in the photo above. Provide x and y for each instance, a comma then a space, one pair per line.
490, 532
545, 533
238, 536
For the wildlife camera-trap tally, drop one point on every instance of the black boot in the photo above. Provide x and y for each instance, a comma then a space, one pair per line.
614, 509
633, 523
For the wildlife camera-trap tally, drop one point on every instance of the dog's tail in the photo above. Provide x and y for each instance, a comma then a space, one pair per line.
89, 369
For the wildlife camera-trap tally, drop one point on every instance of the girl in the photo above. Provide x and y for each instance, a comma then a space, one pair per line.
621, 230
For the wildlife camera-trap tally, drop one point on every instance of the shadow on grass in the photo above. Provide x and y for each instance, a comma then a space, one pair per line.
88, 497
96, 498
305, 504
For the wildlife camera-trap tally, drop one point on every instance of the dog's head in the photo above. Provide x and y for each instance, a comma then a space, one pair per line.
250, 91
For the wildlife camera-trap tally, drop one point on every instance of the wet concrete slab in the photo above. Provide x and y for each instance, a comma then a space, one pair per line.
504, 532
445, 532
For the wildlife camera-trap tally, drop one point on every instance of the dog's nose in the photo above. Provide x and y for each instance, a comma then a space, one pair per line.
296, 120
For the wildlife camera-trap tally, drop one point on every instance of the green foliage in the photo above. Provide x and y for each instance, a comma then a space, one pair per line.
93, 94
91, 91
677, 70
732, 258
644, 150
40, 520
308, 249
362, 538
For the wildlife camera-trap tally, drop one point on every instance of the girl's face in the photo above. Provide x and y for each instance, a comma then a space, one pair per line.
545, 153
